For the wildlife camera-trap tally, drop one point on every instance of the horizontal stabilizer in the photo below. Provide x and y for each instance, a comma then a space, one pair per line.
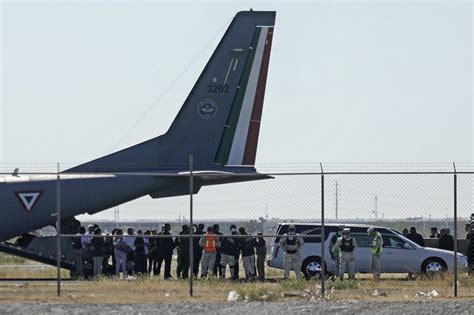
172, 187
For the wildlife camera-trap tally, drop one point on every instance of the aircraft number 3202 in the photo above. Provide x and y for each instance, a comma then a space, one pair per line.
218, 88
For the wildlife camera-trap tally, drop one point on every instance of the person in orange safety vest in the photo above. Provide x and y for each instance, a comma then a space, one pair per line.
209, 242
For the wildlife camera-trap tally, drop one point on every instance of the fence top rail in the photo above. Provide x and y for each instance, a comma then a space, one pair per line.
265, 168
185, 235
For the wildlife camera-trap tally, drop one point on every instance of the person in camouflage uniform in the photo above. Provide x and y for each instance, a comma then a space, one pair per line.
346, 245
335, 255
291, 244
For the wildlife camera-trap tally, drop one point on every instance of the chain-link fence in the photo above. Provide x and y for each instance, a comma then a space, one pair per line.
145, 237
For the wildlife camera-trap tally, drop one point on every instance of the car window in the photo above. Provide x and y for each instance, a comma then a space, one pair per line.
312, 239
308, 230
300, 228
363, 240
316, 231
358, 229
391, 241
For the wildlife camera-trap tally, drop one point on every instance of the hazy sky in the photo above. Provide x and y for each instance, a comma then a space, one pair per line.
348, 82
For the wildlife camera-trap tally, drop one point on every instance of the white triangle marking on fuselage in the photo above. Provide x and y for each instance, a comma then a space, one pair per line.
25, 196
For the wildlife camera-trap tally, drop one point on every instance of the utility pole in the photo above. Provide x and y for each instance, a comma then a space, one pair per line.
376, 209
116, 215
337, 196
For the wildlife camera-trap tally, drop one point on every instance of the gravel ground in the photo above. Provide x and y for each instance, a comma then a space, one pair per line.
350, 307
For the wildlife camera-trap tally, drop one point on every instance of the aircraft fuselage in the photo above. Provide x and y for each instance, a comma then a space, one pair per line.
28, 203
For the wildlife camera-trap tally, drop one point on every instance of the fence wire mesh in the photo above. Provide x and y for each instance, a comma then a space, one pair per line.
118, 243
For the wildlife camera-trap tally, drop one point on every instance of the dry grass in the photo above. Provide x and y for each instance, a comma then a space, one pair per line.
108, 290
6, 259
156, 290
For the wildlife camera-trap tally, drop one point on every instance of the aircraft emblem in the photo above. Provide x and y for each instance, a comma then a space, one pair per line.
207, 109
28, 199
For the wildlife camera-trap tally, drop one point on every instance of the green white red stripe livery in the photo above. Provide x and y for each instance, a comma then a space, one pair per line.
240, 137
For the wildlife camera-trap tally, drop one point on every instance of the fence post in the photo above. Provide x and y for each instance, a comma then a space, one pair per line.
58, 229
323, 267
191, 232
455, 231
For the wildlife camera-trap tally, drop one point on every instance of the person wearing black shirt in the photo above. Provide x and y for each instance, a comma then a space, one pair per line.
197, 249
153, 254
261, 250
405, 233
109, 253
434, 232
470, 248
229, 249
98, 252
165, 250
446, 241
182, 243
139, 257
217, 269
247, 247
415, 237
233, 228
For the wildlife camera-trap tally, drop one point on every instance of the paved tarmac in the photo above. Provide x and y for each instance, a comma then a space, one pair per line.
349, 307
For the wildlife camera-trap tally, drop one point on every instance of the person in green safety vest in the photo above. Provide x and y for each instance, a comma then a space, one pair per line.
377, 249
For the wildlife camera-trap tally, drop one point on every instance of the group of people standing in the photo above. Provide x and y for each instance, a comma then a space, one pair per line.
129, 253
445, 239
216, 252
144, 253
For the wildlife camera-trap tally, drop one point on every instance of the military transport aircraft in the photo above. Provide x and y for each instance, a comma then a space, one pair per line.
218, 125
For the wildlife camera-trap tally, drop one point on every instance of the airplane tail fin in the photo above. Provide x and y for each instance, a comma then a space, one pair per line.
220, 120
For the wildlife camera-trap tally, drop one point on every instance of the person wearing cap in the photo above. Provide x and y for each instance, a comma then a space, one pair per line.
345, 246
291, 244
377, 248
335, 255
